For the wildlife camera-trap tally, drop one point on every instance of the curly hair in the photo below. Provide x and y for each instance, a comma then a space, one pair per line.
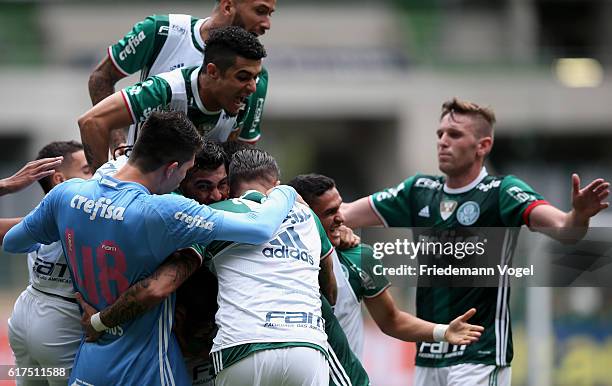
226, 43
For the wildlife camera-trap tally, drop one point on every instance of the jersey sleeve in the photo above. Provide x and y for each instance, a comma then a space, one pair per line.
392, 205
145, 97
178, 222
259, 225
516, 201
249, 124
326, 246
39, 226
135, 50
372, 284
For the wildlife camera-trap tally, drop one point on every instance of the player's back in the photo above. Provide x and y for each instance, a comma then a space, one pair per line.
112, 238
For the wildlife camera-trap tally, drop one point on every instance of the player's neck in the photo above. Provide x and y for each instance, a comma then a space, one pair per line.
216, 20
206, 94
261, 187
130, 173
464, 179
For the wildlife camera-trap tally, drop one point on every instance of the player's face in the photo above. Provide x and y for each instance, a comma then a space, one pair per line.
327, 208
77, 166
457, 144
206, 186
236, 84
254, 15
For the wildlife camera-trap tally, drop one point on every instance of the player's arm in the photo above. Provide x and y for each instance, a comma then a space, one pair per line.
359, 213
327, 280
142, 296
571, 226
103, 79
6, 224
30, 172
96, 126
259, 225
404, 326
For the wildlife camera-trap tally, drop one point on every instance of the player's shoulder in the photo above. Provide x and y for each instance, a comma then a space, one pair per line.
351, 255
236, 205
425, 182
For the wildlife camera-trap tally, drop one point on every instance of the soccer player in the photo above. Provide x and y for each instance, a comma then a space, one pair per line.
207, 182
130, 226
162, 43
467, 196
362, 283
211, 95
44, 328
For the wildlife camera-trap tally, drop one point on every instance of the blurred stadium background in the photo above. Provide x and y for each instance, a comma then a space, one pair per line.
355, 91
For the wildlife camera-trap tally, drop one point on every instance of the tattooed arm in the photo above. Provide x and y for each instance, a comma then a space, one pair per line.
143, 295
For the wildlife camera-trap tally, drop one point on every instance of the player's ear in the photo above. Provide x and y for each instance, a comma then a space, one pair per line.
227, 7
57, 178
484, 146
171, 168
277, 183
212, 70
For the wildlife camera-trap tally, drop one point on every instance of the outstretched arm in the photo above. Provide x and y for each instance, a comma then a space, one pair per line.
96, 126
258, 226
6, 224
572, 226
142, 296
359, 213
32, 171
404, 326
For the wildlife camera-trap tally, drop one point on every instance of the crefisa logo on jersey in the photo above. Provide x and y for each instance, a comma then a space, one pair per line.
132, 43
468, 213
101, 207
194, 221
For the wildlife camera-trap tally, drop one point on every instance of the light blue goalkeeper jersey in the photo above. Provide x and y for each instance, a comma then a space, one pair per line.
116, 233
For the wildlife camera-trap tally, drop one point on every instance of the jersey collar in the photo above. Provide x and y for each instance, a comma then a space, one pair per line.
197, 36
112, 182
196, 93
468, 187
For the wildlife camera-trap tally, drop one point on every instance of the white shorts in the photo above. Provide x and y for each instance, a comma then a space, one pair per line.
464, 374
44, 331
291, 366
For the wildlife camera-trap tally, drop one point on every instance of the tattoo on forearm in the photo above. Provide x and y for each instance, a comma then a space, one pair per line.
133, 302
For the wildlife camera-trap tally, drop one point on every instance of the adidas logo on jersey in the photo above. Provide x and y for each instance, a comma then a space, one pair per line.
424, 212
102, 205
132, 43
194, 221
285, 252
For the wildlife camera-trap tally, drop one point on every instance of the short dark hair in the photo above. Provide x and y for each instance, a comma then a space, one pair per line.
231, 148
210, 157
311, 186
251, 164
225, 43
165, 137
57, 149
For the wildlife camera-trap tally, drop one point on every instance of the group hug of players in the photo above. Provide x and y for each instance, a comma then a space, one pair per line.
183, 261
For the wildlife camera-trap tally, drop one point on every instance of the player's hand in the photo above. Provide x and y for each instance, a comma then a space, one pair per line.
348, 238
32, 171
91, 335
461, 332
589, 201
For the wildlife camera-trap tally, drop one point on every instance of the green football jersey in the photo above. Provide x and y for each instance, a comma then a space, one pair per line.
355, 279
163, 43
489, 201
177, 90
